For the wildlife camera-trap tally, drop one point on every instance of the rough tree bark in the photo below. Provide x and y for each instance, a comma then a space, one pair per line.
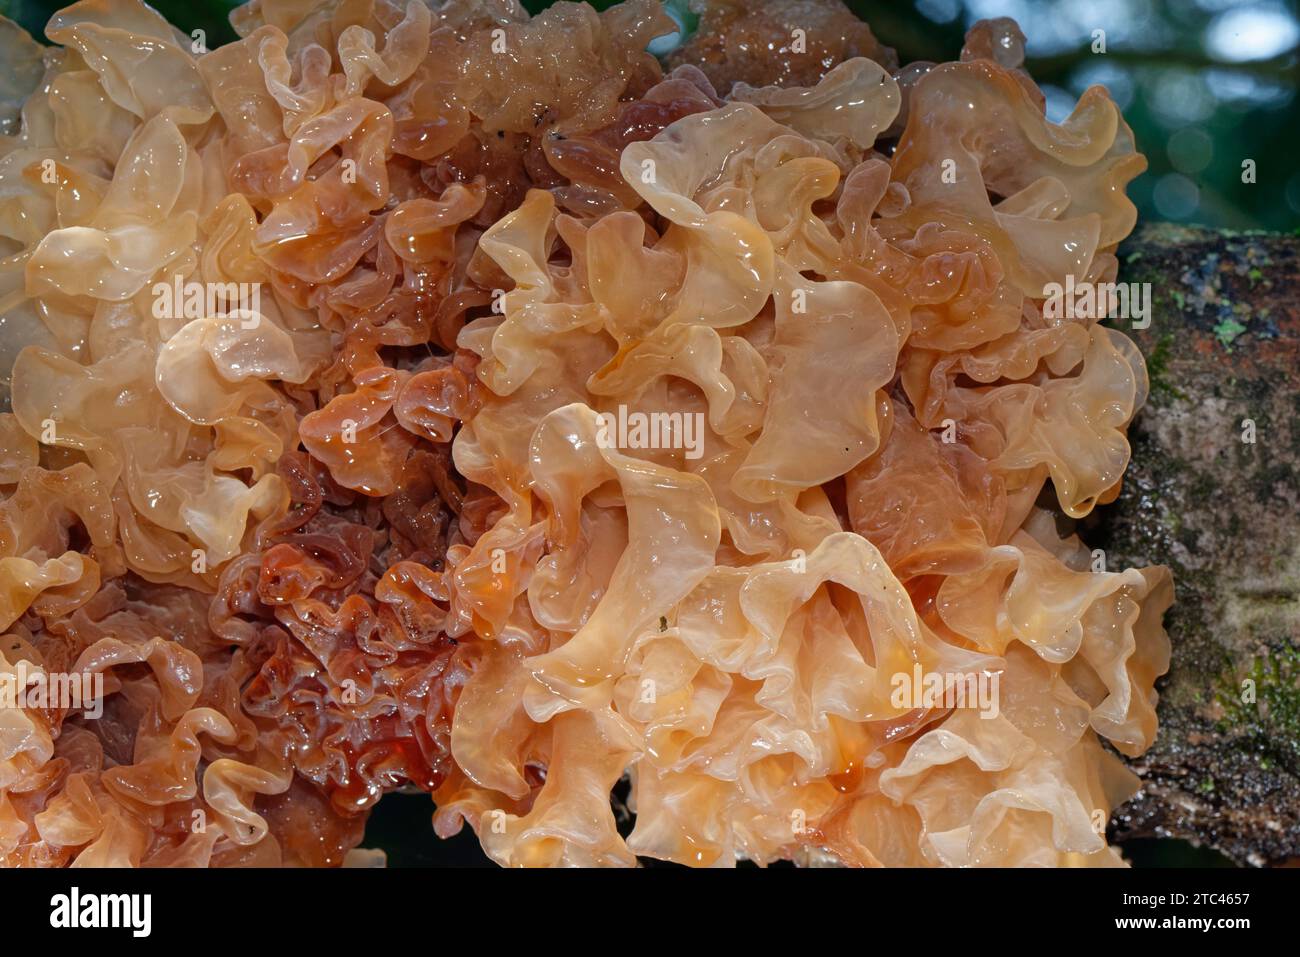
1212, 492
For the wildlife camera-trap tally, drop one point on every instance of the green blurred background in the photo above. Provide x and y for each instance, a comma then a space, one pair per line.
1205, 84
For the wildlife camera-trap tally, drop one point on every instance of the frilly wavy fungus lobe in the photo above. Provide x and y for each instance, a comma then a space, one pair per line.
371, 533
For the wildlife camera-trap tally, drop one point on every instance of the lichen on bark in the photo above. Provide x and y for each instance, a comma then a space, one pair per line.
1212, 492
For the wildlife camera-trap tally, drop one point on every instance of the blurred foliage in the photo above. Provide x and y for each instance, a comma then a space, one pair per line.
1205, 84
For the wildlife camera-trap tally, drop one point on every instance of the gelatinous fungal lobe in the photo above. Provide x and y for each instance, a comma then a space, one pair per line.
759, 394
773, 449
342, 615
214, 258
233, 282
789, 43
358, 666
